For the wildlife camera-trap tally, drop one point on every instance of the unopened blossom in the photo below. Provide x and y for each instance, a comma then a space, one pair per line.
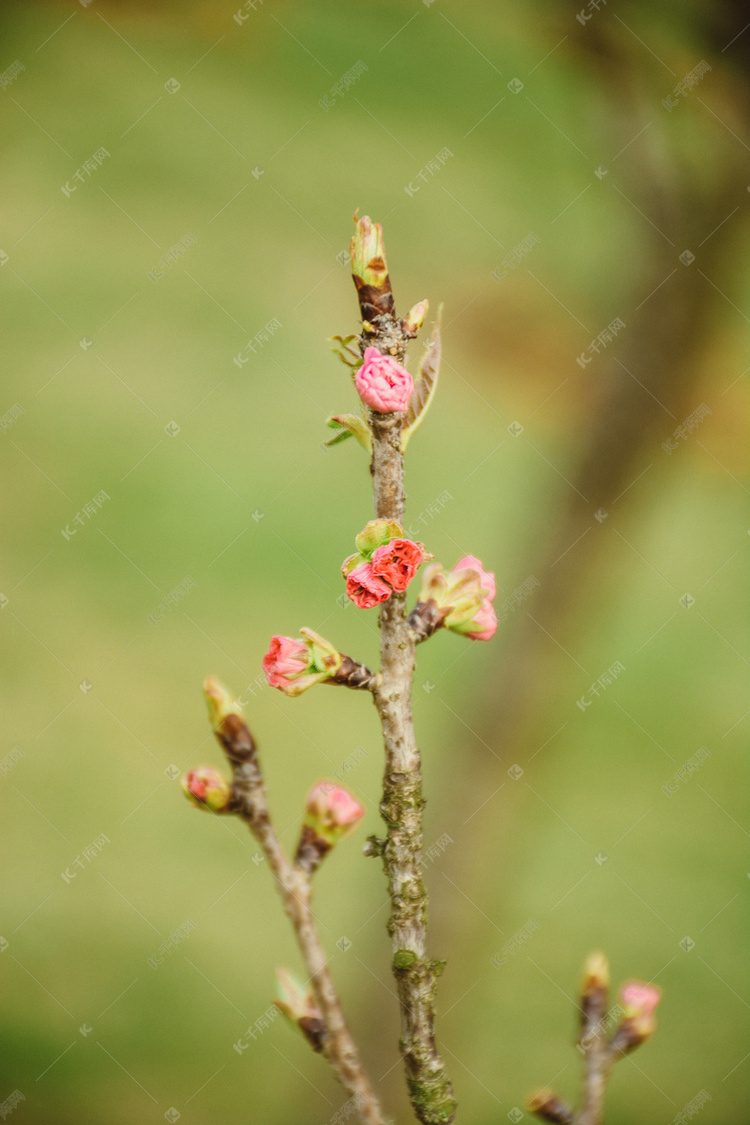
293, 665
397, 562
639, 1001
207, 788
365, 588
332, 812
383, 384
464, 597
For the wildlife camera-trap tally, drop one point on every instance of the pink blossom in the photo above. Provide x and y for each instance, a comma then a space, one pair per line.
383, 384
365, 589
397, 562
285, 659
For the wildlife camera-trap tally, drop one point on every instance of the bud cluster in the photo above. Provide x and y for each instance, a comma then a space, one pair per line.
384, 562
637, 1004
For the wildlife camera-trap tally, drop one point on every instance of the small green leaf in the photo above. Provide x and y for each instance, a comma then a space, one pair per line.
424, 389
342, 435
349, 425
346, 353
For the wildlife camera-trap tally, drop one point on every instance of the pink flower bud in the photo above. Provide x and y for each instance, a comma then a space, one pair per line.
206, 788
285, 660
293, 665
332, 812
365, 588
639, 999
639, 1022
397, 562
383, 384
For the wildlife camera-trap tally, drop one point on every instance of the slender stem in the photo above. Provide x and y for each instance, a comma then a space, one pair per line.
429, 1087
296, 892
597, 1055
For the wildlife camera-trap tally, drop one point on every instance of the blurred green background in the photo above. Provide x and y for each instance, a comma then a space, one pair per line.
579, 165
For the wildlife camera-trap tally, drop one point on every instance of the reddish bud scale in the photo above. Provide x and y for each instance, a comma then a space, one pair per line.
235, 739
370, 271
353, 675
311, 850
639, 1001
549, 1107
314, 1031
426, 618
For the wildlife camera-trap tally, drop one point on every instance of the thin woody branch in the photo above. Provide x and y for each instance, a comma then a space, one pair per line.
600, 1051
248, 800
593, 1041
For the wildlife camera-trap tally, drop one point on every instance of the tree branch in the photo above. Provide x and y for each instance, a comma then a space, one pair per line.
294, 886
594, 1044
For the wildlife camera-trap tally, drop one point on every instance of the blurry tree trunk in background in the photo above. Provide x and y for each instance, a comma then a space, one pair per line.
647, 382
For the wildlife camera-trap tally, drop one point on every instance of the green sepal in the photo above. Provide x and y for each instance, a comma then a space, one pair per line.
376, 533
352, 562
